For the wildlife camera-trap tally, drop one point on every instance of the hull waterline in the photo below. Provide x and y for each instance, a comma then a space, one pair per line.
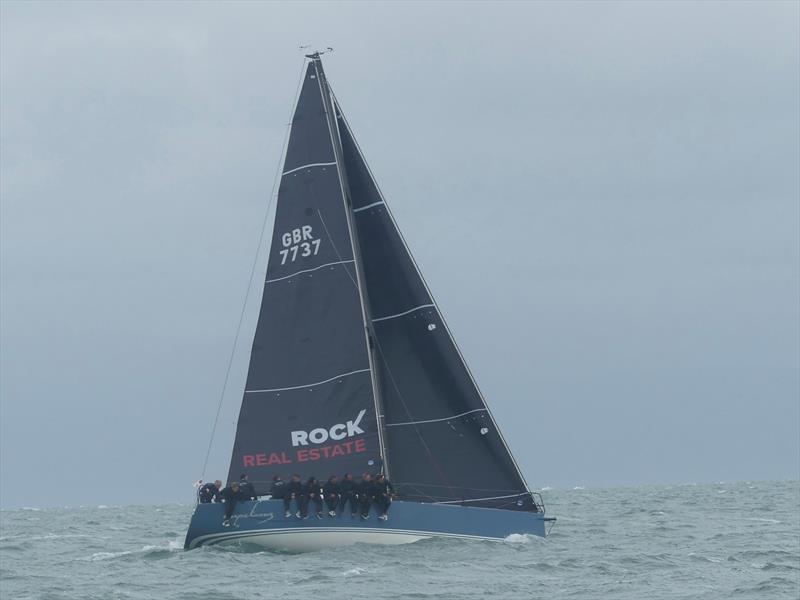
263, 523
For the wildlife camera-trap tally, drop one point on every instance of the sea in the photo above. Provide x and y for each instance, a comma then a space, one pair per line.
722, 540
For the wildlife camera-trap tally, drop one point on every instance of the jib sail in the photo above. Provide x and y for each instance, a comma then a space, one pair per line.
308, 405
442, 444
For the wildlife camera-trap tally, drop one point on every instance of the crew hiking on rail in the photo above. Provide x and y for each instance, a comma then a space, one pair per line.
337, 496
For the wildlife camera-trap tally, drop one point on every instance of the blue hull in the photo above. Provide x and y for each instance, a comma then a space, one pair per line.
262, 522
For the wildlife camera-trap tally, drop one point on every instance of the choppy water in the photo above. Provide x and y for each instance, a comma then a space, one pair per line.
707, 541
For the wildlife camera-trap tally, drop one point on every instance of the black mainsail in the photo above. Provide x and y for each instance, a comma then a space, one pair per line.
308, 404
353, 368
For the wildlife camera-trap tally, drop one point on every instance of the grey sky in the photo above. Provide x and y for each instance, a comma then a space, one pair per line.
603, 198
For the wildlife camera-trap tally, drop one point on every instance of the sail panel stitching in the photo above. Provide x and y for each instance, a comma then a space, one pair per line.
328, 164
330, 264
355, 210
299, 387
436, 420
403, 313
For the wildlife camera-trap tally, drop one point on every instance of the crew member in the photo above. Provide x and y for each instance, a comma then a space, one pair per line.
210, 492
348, 494
312, 493
230, 495
246, 488
293, 491
383, 492
365, 493
331, 493
278, 487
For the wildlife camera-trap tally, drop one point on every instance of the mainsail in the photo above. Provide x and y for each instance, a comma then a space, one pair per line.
353, 368
308, 405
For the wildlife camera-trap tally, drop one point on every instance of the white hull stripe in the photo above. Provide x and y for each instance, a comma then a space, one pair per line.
481, 499
224, 537
299, 387
330, 264
436, 420
403, 313
355, 210
308, 166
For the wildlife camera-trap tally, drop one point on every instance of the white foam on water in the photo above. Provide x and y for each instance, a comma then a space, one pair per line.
517, 538
761, 519
106, 555
355, 571
33, 508
579, 487
546, 488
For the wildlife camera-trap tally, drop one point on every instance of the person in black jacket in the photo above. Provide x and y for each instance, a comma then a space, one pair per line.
209, 492
312, 493
365, 494
293, 491
348, 494
383, 491
230, 495
246, 488
278, 488
330, 491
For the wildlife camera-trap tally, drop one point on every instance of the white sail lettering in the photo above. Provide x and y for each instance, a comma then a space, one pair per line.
299, 438
300, 241
352, 426
320, 435
338, 432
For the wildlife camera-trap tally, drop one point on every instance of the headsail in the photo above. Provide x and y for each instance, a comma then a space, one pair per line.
442, 443
308, 405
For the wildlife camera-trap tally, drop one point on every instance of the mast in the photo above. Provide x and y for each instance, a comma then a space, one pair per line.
333, 126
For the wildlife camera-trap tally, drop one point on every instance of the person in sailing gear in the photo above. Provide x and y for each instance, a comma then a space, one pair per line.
348, 494
383, 491
312, 493
246, 488
230, 495
210, 492
365, 494
278, 487
293, 491
330, 492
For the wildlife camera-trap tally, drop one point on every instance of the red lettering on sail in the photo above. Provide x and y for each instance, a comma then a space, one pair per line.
249, 460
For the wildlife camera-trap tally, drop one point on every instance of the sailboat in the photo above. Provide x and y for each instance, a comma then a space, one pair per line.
353, 369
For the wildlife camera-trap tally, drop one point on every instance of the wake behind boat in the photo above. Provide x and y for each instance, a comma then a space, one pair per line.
353, 369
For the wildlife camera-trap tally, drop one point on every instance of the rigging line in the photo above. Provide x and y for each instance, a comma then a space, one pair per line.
252, 272
436, 420
297, 387
335, 249
480, 499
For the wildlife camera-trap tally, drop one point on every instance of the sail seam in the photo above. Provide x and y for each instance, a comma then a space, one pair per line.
330, 264
355, 210
404, 313
328, 164
436, 420
299, 387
